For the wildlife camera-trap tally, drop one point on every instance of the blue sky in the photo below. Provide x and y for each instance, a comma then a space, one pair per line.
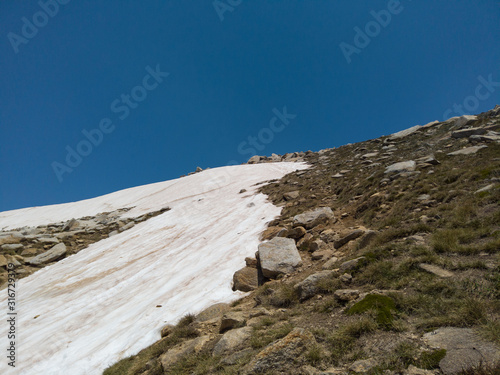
176, 84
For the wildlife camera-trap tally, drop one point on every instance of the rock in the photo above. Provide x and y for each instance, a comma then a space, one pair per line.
490, 137
363, 365
351, 236
13, 246
48, 240
278, 256
308, 287
232, 319
329, 235
467, 150
464, 349
186, 348
369, 155
282, 352
251, 262
259, 311
305, 242
231, 340
291, 195
254, 159
321, 254
212, 312
330, 263
113, 233
126, 226
296, 233
486, 188
232, 359
404, 133
3, 261
198, 169
56, 252
412, 370
167, 330
272, 232
438, 271
462, 120
346, 278
246, 279
367, 239
350, 264
312, 218
9, 240
346, 294
404, 166
465, 133
70, 225
338, 175
430, 159
13, 260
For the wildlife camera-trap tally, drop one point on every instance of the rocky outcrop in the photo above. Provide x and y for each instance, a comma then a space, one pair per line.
55, 253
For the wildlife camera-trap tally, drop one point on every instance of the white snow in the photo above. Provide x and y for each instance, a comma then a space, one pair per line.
99, 306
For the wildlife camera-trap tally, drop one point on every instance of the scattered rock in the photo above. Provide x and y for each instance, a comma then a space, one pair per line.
351, 236
308, 287
14, 246
467, 150
281, 352
296, 233
412, 370
350, 264
291, 195
367, 239
330, 263
346, 294
232, 319
213, 312
186, 348
465, 133
404, 133
438, 271
486, 188
246, 279
404, 166
278, 256
312, 218
321, 254
363, 365
231, 340
55, 253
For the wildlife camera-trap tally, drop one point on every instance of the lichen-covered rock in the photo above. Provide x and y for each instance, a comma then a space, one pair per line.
308, 287
231, 340
177, 352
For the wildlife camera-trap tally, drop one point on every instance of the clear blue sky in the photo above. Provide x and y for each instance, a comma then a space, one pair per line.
228, 70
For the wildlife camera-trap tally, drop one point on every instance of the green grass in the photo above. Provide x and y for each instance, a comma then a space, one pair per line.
383, 307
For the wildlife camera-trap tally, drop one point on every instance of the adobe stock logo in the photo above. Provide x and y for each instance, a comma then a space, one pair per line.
30, 28
372, 29
223, 6
122, 107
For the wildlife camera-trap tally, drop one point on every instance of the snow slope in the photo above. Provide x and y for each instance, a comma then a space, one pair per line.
100, 305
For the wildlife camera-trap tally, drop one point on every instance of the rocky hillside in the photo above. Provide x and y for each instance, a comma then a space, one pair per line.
385, 260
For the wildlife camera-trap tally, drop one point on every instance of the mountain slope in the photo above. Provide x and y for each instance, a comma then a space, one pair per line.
110, 300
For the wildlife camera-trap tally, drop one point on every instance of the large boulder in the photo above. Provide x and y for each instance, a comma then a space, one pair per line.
231, 340
281, 353
278, 256
312, 218
56, 252
213, 312
246, 279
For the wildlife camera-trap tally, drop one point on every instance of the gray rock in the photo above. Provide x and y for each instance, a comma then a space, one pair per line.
367, 239
465, 133
412, 370
47, 240
312, 218
56, 252
404, 133
464, 349
467, 150
351, 236
485, 138
254, 159
234, 358
308, 287
404, 166
126, 226
296, 233
231, 340
330, 263
438, 271
70, 224
278, 256
486, 188
291, 195
350, 264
